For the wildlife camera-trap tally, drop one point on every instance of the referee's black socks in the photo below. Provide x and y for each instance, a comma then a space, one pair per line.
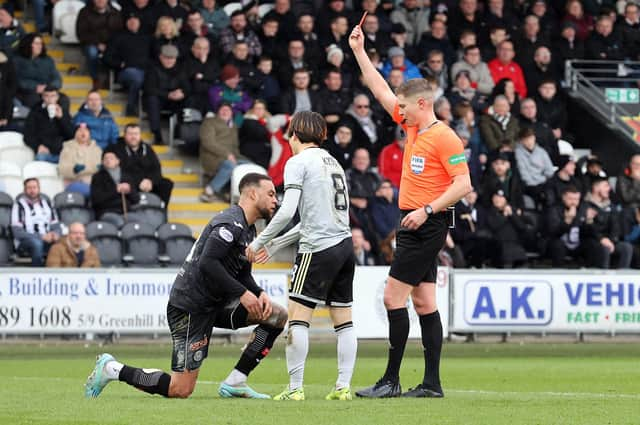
151, 381
263, 338
432, 344
398, 335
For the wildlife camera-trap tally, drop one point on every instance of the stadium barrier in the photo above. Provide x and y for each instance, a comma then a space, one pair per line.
133, 301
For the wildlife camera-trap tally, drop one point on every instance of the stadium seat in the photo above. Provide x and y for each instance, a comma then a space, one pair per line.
51, 186
11, 139
232, 7
6, 202
176, 240
72, 207
263, 9
238, 173
10, 169
19, 155
39, 169
64, 17
6, 247
12, 185
104, 236
153, 209
142, 247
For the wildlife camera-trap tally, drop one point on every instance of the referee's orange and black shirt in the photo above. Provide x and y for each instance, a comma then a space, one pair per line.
430, 162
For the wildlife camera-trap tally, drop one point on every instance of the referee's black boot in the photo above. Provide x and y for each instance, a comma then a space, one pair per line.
381, 389
423, 391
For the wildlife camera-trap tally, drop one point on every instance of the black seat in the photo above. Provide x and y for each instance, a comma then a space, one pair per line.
6, 203
176, 240
142, 245
153, 209
104, 236
72, 207
6, 246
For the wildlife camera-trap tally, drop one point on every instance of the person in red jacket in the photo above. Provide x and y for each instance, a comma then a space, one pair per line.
503, 66
390, 159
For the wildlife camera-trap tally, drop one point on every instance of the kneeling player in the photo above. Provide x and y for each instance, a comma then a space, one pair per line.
214, 288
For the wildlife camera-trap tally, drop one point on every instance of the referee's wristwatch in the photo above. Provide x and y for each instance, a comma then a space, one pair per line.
428, 210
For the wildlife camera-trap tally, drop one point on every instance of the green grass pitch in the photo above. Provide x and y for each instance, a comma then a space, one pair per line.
484, 384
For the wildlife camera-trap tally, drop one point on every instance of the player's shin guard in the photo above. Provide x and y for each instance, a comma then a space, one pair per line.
261, 342
347, 349
398, 335
152, 381
432, 344
297, 350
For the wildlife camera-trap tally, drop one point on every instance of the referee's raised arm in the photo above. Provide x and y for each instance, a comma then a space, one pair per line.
372, 77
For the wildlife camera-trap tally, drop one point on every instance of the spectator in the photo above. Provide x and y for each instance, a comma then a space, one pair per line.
293, 62
305, 31
506, 224
563, 178
529, 40
465, 17
442, 109
604, 220
172, 9
541, 69
34, 223
628, 28
503, 66
254, 136
128, 54
506, 88
268, 88
568, 46
144, 11
240, 59
465, 120
139, 161
74, 250
575, 14
286, 19
372, 9
502, 176
167, 32
497, 35
390, 159
333, 100
568, 233
79, 160
414, 16
362, 248
37, 70
437, 39
463, 91
336, 60
326, 17
238, 30
97, 23
547, 18
166, 86
214, 17
11, 31
551, 108
361, 180
628, 183
467, 39
435, 67
496, 14
8, 88
195, 27
47, 126
591, 170
478, 70
397, 60
229, 91
202, 69
399, 39
534, 165
219, 153
603, 43
337, 34
374, 37
98, 118
300, 97
470, 219
385, 216
395, 79
340, 145
272, 46
544, 136
113, 193
498, 124
366, 131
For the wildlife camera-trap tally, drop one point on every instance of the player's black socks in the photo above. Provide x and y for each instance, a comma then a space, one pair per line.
398, 335
263, 338
432, 343
151, 381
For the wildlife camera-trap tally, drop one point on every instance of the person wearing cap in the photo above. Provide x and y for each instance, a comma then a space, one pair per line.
503, 176
397, 60
128, 55
238, 29
47, 126
563, 177
79, 160
98, 118
568, 46
478, 70
96, 24
11, 31
508, 226
436, 39
166, 87
435, 66
413, 15
230, 91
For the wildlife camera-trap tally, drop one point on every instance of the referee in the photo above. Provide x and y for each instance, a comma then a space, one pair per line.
434, 176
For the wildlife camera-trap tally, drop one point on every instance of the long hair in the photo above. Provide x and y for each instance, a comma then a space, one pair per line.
308, 126
24, 47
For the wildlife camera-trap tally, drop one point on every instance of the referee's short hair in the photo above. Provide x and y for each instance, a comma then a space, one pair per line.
416, 86
308, 126
252, 180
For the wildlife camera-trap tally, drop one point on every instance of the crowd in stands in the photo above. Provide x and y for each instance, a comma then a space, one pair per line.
234, 79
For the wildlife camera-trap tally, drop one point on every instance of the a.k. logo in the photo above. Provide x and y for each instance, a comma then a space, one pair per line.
417, 164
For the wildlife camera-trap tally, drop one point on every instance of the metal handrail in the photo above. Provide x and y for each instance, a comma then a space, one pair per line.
581, 85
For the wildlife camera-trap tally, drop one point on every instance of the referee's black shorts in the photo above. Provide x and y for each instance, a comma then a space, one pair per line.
416, 256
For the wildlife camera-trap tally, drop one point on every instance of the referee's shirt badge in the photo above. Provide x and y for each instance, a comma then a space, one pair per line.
417, 164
